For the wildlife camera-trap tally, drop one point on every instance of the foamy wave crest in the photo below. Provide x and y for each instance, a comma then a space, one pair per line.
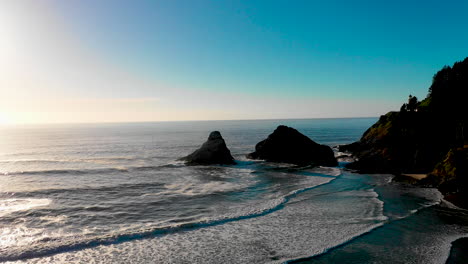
94, 160
432, 196
91, 171
338, 243
195, 189
307, 171
69, 244
9, 206
329, 171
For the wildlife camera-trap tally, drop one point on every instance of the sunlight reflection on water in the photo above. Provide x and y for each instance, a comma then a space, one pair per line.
9, 206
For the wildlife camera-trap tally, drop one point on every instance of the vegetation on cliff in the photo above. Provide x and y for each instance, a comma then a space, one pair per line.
423, 137
451, 176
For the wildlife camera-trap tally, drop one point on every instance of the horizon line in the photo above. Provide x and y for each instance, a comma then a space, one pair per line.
169, 121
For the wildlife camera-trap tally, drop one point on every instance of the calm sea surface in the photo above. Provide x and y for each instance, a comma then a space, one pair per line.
115, 193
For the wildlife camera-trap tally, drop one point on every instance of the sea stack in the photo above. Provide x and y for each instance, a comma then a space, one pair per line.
288, 145
213, 151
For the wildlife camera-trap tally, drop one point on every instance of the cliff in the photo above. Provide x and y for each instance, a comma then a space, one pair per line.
427, 137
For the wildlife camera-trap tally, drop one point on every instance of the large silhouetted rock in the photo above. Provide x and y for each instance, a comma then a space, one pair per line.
288, 145
213, 151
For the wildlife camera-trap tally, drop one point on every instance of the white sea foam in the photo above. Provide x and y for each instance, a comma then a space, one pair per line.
54, 219
8, 206
299, 229
193, 189
329, 171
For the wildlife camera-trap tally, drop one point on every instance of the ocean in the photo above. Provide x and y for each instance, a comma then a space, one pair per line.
116, 193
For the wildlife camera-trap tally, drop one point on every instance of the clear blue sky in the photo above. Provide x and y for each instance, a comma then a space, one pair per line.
266, 57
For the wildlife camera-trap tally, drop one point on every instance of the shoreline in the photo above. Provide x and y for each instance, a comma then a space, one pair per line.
415, 176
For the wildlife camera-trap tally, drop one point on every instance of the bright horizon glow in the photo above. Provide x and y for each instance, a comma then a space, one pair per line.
115, 61
4, 120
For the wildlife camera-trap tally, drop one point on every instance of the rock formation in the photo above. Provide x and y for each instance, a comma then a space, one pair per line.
450, 176
213, 151
429, 137
401, 142
288, 145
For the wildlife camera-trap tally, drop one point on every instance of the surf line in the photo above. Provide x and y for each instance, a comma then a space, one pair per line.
158, 232
349, 241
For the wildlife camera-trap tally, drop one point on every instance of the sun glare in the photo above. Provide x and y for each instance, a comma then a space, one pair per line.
4, 120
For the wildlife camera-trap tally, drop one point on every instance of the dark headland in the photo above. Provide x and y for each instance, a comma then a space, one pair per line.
426, 140
428, 137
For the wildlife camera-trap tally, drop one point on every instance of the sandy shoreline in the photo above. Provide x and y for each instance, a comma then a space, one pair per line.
415, 176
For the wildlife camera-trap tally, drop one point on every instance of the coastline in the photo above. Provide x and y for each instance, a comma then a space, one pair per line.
415, 176
409, 178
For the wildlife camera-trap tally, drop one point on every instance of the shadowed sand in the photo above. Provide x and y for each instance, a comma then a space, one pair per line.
415, 176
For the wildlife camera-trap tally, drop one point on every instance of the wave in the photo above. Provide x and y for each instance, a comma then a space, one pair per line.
83, 159
92, 171
340, 244
307, 170
82, 190
33, 161
8, 206
317, 171
104, 160
385, 221
274, 205
199, 189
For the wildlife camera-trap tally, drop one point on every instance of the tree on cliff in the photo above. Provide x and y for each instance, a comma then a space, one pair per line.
449, 90
412, 103
416, 142
404, 108
433, 140
411, 106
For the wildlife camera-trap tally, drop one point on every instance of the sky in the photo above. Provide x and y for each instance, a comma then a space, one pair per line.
81, 61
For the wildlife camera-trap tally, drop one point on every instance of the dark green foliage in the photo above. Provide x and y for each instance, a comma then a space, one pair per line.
418, 138
412, 103
404, 108
411, 106
449, 91
451, 176
423, 106
448, 96
402, 142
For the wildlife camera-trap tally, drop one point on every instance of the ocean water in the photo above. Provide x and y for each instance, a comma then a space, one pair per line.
115, 193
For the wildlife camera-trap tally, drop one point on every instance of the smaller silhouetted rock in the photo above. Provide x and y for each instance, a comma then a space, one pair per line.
350, 148
288, 145
213, 151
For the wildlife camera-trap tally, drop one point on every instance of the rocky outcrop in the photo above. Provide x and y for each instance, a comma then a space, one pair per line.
429, 137
213, 151
288, 145
402, 143
450, 176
